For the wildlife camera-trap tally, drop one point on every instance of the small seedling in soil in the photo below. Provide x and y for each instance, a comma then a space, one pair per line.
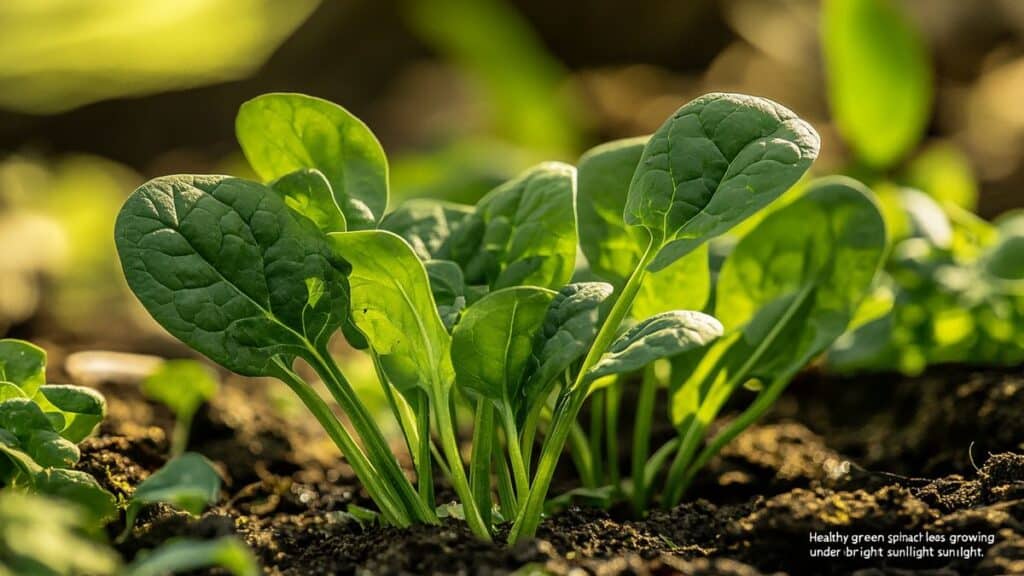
183, 386
486, 305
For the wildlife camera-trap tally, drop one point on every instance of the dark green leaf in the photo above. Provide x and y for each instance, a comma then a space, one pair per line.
663, 336
227, 268
188, 482
23, 417
51, 450
427, 225
570, 326
716, 161
448, 288
308, 193
493, 342
523, 233
79, 488
23, 364
282, 133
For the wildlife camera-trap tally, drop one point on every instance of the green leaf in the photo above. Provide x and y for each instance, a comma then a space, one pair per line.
187, 482
41, 536
23, 417
879, 78
944, 172
523, 233
23, 364
614, 249
186, 555
227, 268
493, 343
448, 287
393, 306
51, 450
1005, 261
427, 225
308, 192
80, 489
926, 218
9, 390
662, 336
181, 385
570, 326
716, 161
83, 409
282, 133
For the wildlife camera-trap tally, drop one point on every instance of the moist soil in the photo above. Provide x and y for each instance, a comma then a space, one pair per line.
942, 453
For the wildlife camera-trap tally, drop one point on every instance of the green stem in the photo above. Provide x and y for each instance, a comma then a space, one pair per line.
597, 400
450, 446
579, 451
642, 438
529, 433
480, 462
390, 508
377, 447
424, 469
657, 460
573, 399
179, 435
506, 493
692, 438
613, 398
515, 454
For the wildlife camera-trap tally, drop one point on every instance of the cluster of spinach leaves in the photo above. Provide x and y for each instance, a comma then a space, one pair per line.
45, 499
486, 306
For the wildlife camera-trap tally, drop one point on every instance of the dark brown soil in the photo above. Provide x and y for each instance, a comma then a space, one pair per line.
872, 455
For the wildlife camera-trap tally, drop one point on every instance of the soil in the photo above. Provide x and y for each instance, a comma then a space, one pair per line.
942, 453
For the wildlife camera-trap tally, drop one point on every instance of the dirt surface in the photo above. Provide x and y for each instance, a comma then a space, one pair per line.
874, 455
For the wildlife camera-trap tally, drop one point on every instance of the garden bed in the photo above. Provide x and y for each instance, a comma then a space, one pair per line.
868, 455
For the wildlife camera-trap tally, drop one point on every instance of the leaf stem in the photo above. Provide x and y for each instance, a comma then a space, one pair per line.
515, 454
572, 401
597, 400
392, 511
642, 438
613, 398
480, 462
441, 402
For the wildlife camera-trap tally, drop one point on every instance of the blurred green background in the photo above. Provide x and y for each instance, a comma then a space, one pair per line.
98, 95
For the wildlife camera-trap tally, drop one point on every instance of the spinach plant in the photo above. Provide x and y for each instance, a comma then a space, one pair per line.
40, 427
182, 386
477, 306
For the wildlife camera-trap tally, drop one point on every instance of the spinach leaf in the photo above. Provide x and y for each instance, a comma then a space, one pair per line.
427, 225
308, 192
187, 482
23, 364
716, 161
449, 289
879, 77
570, 326
662, 336
613, 249
282, 133
522, 233
82, 409
228, 553
493, 343
393, 306
225, 266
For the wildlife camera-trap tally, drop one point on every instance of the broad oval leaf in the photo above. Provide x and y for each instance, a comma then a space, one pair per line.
308, 192
522, 233
614, 249
82, 408
493, 343
23, 417
80, 489
281, 133
51, 450
662, 336
427, 225
188, 482
393, 306
228, 553
570, 326
23, 364
879, 77
227, 268
716, 161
